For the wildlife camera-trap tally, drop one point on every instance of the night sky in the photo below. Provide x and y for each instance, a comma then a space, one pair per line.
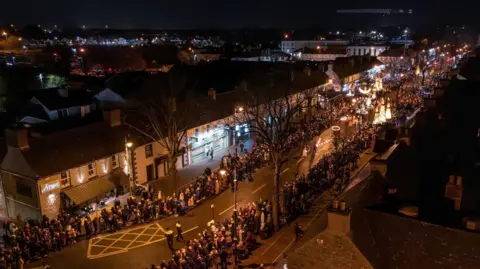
222, 13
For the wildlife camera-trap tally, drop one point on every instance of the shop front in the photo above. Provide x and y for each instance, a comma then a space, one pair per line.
203, 143
242, 131
98, 193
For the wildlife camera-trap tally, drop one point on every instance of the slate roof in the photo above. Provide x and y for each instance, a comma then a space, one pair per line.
328, 251
471, 69
59, 151
343, 67
52, 100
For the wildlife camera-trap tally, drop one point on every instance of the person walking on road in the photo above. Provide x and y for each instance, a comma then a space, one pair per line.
179, 231
169, 236
298, 231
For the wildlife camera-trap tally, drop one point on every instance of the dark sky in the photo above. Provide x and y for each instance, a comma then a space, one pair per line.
217, 13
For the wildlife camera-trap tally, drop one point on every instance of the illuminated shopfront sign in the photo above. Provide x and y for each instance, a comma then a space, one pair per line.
50, 187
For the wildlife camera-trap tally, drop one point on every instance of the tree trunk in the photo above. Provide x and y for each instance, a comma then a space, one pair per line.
172, 171
275, 198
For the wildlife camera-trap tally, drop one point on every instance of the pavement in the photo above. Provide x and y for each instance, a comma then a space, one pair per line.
191, 172
144, 245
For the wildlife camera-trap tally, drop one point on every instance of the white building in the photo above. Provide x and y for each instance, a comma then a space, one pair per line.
288, 46
360, 50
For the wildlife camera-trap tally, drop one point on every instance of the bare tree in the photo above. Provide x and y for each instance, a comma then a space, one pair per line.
272, 120
158, 118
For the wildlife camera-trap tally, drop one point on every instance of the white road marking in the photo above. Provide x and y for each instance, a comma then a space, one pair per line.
280, 255
120, 250
259, 188
284, 171
226, 210
272, 243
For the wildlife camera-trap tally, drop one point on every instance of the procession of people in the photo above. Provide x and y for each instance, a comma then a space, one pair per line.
232, 237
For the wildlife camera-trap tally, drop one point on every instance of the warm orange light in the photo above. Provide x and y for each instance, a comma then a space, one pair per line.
318, 47
286, 36
4, 33
82, 50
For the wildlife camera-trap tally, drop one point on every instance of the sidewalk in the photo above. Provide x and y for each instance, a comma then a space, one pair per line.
192, 171
272, 250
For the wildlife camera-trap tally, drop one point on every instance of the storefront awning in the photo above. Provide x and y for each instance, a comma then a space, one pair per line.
93, 188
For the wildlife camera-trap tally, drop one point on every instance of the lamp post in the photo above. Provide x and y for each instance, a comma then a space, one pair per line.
129, 159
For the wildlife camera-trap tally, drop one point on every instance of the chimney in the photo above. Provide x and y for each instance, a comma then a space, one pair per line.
112, 117
63, 93
338, 216
212, 93
307, 71
454, 190
351, 61
17, 136
330, 67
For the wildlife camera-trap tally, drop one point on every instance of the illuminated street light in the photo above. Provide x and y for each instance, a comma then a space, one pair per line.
318, 47
330, 81
129, 144
19, 39
286, 36
240, 108
82, 50
222, 172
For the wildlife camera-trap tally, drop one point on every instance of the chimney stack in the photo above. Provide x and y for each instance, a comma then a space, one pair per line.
63, 93
112, 117
307, 71
454, 190
330, 67
212, 93
338, 216
17, 136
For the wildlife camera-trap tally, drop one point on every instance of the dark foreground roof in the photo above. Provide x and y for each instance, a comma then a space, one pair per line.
328, 251
52, 100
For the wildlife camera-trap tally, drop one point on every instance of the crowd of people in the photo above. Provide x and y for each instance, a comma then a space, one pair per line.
36, 239
235, 238
234, 235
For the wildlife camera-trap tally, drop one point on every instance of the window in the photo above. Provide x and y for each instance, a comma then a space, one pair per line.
63, 113
91, 169
65, 175
84, 110
148, 150
24, 190
114, 161
197, 132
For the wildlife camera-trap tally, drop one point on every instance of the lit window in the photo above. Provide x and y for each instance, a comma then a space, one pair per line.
65, 175
114, 161
91, 169
148, 150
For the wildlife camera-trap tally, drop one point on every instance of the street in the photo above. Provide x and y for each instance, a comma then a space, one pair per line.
144, 245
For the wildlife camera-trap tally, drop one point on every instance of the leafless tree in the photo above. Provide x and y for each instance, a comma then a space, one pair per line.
162, 118
272, 117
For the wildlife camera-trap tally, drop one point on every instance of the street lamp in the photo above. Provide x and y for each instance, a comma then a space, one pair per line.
222, 172
129, 159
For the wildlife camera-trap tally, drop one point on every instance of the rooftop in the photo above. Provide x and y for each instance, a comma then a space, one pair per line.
328, 251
